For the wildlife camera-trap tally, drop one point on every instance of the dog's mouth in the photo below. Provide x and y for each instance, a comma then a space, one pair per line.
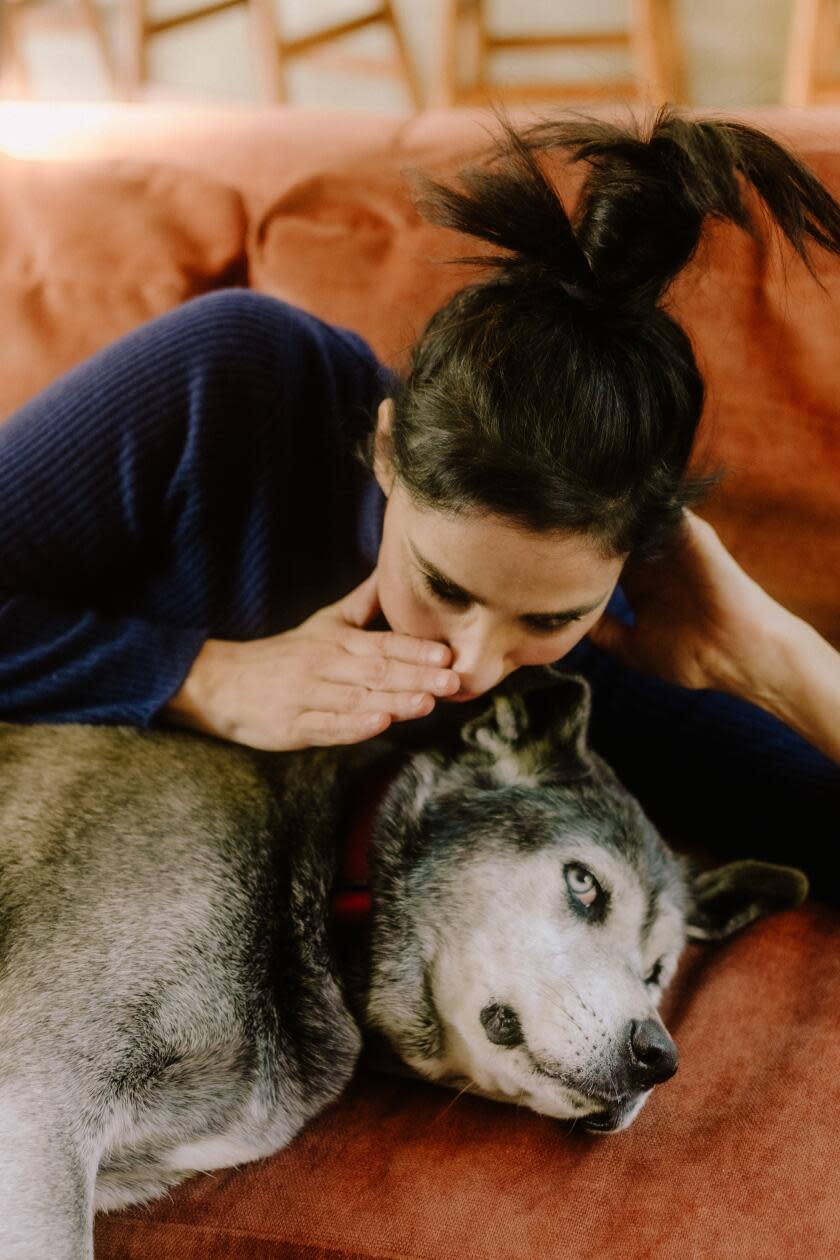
613, 1115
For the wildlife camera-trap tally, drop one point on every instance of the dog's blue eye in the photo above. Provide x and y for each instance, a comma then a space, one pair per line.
655, 972
581, 883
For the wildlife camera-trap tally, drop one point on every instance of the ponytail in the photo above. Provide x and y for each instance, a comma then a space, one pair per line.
646, 196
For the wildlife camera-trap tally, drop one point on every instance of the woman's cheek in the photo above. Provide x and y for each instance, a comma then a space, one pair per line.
543, 651
579, 630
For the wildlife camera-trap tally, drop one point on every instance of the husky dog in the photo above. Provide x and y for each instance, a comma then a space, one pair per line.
172, 995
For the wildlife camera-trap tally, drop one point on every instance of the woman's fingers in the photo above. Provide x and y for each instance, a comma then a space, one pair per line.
400, 647
360, 607
381, 673
328, 681
340, 698
323, 729
355, 610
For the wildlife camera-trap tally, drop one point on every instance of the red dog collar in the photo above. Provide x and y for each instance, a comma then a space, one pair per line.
351, 900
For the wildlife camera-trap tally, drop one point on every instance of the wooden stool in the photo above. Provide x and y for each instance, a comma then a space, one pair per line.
272, 49
812, 76
650, 36
19, 18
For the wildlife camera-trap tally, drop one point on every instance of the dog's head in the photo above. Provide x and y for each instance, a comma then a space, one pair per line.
529, 916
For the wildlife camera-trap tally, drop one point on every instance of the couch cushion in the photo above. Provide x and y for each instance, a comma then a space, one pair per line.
87, 251
351, 246
736, 1157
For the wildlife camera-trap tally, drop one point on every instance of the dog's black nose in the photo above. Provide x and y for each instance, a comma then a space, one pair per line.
652, 1054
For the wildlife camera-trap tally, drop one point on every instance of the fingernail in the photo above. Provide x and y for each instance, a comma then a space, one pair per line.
437, 656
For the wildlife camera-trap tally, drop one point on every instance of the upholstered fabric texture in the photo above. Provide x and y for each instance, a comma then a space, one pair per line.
89, 251
738, 1157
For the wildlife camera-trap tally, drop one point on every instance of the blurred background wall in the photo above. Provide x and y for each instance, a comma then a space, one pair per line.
733, 50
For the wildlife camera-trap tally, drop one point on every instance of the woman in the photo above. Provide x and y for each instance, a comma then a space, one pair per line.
183, 514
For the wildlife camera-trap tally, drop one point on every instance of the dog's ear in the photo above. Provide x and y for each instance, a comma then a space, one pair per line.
729, 897
541, 719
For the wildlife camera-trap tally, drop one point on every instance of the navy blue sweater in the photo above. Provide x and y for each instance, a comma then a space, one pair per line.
195, 479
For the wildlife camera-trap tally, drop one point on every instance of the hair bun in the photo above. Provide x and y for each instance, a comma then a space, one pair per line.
589, 298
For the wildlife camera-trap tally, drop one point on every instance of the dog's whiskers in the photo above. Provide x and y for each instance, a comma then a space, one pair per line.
451, 1104
585, 1005
553, 997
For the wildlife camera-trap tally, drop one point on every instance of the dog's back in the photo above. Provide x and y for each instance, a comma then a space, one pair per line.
158, 1015
169, 993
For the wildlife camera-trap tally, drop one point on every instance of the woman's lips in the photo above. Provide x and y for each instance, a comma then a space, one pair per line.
461, 696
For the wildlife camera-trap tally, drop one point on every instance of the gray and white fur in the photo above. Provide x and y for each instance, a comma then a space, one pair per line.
174, 995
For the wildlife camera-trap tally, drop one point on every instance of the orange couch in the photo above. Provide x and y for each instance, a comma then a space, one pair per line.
138, 208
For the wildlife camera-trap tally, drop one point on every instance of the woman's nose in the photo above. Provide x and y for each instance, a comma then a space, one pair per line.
479, 657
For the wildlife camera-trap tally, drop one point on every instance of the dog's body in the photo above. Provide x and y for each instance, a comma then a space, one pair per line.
171, 998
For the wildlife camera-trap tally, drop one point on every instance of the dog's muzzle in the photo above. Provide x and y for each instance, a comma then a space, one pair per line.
612, 1117
649, 1057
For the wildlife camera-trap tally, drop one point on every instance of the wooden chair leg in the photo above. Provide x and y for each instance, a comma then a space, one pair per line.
267, 44
135, 66
461, 20
657, 51
92, 19
652, 35
671, 46
275, 53
14, 77
803, 45
446, 86
830, 44
405, 59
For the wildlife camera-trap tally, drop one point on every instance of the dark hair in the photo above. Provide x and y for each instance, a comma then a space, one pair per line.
557, 391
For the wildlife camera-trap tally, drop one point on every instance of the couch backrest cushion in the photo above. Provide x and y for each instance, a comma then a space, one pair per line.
87, 251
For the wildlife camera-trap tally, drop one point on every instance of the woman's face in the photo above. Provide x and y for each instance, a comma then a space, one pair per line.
499, 595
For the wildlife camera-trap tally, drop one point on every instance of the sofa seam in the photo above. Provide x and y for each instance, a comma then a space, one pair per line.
228, 1231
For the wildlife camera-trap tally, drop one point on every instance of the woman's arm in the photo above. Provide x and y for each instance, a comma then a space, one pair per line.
162, 504
799, 682
65, 664
702, 622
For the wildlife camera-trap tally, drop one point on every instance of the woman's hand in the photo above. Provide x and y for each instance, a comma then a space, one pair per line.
328, 681
700, 620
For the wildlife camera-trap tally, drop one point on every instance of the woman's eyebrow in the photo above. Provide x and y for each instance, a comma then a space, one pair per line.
569, 614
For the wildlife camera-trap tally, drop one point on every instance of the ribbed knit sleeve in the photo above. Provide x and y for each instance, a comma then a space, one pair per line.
60, 665
191, 480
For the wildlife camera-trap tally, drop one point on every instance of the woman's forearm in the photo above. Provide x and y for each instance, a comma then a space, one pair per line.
799, 682
702, 622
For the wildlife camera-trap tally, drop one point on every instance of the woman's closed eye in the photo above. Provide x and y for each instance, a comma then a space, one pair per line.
445, 593
457, 599
550, 627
